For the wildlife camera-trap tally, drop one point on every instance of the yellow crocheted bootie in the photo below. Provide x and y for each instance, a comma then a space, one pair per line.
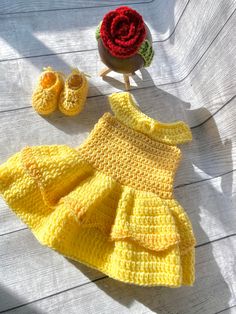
74, 94
46, 94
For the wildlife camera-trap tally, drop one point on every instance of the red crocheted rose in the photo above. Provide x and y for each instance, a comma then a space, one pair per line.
122, 32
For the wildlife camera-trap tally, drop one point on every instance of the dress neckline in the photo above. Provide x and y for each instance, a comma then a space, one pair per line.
127, 111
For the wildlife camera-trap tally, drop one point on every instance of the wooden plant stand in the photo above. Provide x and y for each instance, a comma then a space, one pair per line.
126, 76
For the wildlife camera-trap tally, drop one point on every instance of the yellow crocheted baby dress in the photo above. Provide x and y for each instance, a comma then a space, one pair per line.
109, 202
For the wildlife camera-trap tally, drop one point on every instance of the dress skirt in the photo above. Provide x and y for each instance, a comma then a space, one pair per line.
108, 204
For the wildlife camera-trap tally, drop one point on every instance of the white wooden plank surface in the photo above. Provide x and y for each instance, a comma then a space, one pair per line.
192, 78
21, 6
230, 310
61, 32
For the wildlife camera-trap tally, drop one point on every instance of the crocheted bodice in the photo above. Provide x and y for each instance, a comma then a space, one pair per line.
135, 149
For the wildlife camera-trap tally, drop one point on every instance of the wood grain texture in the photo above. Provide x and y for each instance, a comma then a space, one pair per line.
21, 6
37, 33
229, 310
191, 79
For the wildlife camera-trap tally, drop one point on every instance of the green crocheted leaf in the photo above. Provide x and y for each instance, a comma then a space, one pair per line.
97, 33
147, 52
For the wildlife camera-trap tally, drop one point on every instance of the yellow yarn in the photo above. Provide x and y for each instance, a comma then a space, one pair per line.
74, 94
109, 202
47, 91
126, 110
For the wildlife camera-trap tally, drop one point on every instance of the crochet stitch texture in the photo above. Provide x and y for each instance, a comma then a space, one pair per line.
122, 32
109, 202
72, 99
47, 91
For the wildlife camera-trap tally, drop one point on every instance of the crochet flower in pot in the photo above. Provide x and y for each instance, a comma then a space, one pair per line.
124, 41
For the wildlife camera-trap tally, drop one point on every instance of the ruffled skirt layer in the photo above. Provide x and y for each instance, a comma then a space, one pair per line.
131, 235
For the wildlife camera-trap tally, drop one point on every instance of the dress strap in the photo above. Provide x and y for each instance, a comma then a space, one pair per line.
126, 111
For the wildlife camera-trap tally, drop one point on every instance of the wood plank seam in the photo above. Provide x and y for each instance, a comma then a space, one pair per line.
213, 114
48, 55
227, 308
76, 8
54, 294
142, 88
203, 180
14, 231
215, 240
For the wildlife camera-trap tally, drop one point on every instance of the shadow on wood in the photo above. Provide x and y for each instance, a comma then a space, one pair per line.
10, 301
